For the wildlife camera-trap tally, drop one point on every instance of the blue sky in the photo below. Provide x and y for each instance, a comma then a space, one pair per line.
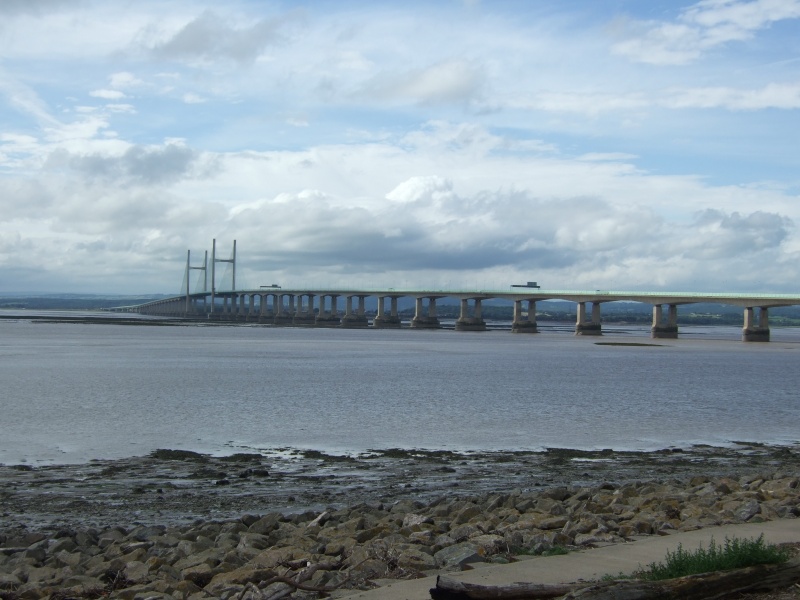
586, 144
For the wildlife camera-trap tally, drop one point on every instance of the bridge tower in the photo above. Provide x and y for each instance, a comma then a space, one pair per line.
189, 269
214, 261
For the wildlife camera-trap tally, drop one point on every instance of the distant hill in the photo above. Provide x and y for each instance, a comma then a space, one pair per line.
71, 301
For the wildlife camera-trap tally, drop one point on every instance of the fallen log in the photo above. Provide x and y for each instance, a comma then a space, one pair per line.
706, 586
451, 589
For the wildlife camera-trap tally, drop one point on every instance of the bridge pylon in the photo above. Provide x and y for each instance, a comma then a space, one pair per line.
189, 269
214, 261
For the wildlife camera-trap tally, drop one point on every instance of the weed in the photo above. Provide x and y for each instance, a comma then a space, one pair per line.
734, 554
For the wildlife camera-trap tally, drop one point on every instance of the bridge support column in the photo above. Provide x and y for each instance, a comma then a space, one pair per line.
241, 312
523, 324
251, 308
590, 327
266, 314
306, 316
282, 315
465, 322
384, 321
752, 332
327, 318
422, 321
357, 319
660, 329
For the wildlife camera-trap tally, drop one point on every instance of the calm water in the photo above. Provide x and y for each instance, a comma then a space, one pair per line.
72, 392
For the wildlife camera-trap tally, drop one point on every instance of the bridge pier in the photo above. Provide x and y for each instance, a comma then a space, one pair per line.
425, 321
660, 329
282, 315
384, 321
465, 322
327, 318
357, 319
226, 307
588, 327
266, 313
524, 324
304, 315
251, 309
752, 332
241, 310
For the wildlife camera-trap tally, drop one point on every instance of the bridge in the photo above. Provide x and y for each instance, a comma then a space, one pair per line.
276, 305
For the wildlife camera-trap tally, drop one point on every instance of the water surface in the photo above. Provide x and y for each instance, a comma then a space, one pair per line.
75, 391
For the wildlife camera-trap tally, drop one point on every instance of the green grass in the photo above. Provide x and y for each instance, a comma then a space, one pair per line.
734, 554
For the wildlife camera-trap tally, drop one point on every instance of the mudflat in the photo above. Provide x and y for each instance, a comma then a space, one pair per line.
173, 487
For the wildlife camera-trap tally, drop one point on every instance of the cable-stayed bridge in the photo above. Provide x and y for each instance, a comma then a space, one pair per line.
319, 307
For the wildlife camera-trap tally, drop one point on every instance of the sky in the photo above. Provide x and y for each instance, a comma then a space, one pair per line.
584, 144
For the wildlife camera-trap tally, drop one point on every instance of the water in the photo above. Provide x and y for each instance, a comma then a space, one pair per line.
72, 391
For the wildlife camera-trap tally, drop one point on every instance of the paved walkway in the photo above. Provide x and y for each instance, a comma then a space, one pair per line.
590, 564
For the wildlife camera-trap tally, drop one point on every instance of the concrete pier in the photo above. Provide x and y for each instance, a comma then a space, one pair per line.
661, 329
470, 322
591, 326
326, 317
304, 315
422, 320
356, 319
752, 331
284, 315
266, 313
383, 320
522, 323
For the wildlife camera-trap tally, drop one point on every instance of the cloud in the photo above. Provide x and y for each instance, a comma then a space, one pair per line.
699, 28
774, 95
190, 98
723, 235
210, 36
26, 7
107, 94
137, 166
24, 98
124, 80
449, 81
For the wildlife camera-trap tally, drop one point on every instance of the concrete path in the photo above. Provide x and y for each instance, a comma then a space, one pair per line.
590, 564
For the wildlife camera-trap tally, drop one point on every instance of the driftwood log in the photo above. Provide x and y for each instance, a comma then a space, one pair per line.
707, 586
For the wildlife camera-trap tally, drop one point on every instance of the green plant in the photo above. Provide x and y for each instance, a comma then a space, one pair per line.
734, 554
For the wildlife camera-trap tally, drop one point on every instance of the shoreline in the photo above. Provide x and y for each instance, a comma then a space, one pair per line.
177, 486
178, 524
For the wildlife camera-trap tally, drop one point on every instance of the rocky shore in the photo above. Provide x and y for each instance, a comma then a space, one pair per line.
292, 523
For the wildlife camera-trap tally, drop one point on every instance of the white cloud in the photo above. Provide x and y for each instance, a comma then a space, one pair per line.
124, 80
190, 98
107, 94
700, 28
449, 81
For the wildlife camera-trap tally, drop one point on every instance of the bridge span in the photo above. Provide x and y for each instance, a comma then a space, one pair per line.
276, 305
298, 306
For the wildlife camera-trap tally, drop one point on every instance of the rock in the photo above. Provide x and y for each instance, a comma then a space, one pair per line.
136, 572
458, 556
748, 510
240, 576
265, 524
416, 559
412, 520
